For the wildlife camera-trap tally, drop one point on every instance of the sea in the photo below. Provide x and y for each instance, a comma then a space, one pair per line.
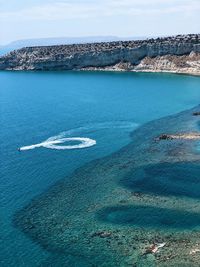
53, 123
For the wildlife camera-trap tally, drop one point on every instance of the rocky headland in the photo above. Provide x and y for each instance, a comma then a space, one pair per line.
178, 54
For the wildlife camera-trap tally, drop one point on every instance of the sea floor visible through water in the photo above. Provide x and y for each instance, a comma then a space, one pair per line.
62, 209
114, 209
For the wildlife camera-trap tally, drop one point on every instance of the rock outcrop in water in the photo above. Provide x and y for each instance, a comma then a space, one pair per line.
183, 136
177, 54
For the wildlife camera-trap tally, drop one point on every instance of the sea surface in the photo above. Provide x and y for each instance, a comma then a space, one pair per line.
62, 120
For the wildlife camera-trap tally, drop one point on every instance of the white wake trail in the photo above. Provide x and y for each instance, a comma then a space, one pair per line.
30, 147
84, 142
53, 144
57, 141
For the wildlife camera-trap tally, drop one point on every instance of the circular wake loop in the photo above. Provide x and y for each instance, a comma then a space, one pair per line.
56, 142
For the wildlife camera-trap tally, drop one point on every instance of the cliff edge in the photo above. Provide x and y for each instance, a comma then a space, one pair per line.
179, 53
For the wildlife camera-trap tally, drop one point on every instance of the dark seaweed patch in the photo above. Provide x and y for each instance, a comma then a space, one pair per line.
150, 217
178, 179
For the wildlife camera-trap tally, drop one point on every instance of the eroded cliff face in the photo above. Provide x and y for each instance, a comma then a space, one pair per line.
177, 64
135, 55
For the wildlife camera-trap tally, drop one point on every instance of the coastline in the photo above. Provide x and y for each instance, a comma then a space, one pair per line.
179, 53
197, 74
187, 64
108, 69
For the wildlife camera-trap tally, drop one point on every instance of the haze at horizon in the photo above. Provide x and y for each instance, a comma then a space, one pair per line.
67, 18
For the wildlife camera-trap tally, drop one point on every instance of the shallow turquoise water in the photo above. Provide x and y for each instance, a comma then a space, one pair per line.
101, 106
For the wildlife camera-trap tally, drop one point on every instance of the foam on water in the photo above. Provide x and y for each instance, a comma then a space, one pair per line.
84, 142
55, 141
93, 127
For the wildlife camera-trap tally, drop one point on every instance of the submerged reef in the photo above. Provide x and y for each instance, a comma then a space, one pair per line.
113, 211
179, 54
190, 136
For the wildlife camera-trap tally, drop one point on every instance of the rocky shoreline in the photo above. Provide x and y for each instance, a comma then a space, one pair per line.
188, 64
176, 54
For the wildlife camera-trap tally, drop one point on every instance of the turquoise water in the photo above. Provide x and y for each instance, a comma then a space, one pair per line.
104, 107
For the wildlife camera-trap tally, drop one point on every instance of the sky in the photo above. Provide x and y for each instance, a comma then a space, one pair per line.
25, 19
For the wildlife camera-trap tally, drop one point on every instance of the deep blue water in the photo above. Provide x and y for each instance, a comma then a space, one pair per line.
105, 107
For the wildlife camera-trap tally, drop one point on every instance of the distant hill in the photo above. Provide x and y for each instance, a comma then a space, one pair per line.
59, 41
